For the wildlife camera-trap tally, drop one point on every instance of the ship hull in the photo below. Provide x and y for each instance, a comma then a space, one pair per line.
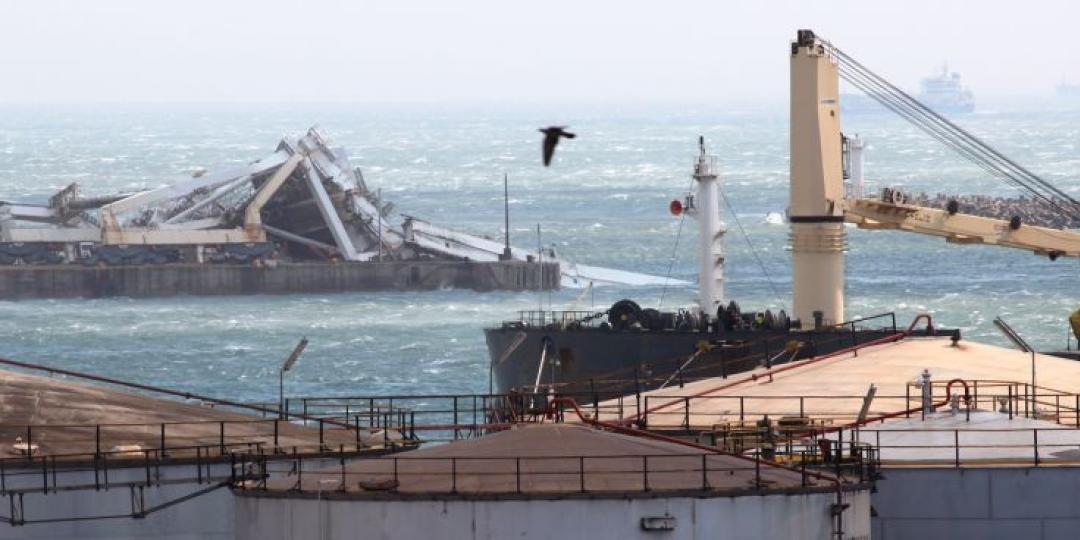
602, 363
950, 107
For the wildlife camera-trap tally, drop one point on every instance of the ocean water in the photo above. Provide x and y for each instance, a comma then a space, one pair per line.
604, 202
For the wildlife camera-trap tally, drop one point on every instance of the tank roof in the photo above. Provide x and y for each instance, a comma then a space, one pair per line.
548, 459
66, 417
981, 437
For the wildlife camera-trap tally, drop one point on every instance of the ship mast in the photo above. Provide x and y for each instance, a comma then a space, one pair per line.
710, 233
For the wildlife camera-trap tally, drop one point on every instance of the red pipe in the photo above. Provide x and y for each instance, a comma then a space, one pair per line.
948, 390
886, 416
656, 436
919, 317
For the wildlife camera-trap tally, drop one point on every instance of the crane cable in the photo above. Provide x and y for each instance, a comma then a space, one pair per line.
942, 135
674, 252
948, 133
935, 132
753, 250
927, 115
931, 115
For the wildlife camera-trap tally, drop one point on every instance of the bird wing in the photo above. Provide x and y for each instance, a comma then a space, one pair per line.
550, 140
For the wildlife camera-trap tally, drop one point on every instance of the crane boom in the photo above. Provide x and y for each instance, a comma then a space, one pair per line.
822, 158
961, 228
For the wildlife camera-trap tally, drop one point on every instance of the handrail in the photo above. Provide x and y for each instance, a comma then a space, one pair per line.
637, 415
467, 415
886, 416
34, 439
753, 463
200, 465
656, 436
770, 372
575, 475
145, 387
922, 316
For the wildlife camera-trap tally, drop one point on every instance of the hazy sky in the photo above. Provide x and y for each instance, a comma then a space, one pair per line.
507, 50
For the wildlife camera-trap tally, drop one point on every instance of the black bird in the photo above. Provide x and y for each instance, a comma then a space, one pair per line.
551, 138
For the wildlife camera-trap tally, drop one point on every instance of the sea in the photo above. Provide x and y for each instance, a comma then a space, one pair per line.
604, 201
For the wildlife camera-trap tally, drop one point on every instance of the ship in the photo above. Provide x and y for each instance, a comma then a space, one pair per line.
859, 103
1068, 91
627, 348
943, 92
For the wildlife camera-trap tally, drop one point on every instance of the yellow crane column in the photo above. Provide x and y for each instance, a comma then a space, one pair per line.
817, 185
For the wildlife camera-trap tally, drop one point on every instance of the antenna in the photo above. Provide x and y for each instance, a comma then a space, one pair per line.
1013, 336
540, 261
378, 216
1023, 346
506, 217
289, 363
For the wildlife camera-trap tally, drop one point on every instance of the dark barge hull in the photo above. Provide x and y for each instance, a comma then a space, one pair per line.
606, 363
162, 280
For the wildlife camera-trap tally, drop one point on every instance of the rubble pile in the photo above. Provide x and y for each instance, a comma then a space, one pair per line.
1030, 210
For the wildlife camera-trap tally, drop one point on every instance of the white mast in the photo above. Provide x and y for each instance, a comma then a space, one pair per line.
710, 233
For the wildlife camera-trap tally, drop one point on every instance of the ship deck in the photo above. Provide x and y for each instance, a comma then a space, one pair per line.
833, 388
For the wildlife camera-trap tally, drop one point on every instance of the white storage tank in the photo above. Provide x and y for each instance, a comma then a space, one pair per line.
978, 474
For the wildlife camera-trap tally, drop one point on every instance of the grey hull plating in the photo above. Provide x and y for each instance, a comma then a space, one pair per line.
611, 362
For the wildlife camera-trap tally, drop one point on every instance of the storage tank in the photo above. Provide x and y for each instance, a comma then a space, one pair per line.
979, 473
553, 481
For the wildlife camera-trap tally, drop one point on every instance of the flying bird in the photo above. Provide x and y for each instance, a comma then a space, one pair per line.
551, 138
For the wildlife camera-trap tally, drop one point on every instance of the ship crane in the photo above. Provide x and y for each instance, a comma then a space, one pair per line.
820, 205
955, 227
891, 211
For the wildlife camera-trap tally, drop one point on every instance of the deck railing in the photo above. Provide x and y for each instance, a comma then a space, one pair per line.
442, 417
564, 318
688, 412
30, 441
562, 474
204, 468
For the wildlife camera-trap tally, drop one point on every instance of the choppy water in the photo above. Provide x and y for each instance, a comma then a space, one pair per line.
604, 202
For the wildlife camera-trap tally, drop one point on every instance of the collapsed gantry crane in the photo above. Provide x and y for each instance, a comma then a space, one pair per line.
305, 195
821, 204
303, 202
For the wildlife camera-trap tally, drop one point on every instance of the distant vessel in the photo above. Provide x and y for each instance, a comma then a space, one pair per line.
859, 103
943, 92
1066, 90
